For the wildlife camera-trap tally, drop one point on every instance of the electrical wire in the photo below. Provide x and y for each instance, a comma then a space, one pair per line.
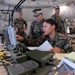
56, 70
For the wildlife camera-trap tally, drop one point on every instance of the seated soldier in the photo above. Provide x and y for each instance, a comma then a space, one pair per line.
21, 37
59, 42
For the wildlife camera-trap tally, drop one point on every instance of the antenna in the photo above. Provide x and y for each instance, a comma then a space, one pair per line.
15, 8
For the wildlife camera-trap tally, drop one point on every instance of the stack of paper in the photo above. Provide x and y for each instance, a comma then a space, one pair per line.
59, 56
67, 63
71, 55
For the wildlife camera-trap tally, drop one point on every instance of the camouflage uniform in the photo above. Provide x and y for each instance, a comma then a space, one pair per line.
20, 24
60, 41
36, 30
23, 34
60, 23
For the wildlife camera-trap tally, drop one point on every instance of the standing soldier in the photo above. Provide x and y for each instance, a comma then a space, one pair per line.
37, 25
20, 23
20, 27
58, 20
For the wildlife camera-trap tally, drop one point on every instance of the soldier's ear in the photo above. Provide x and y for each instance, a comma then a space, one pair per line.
53, 26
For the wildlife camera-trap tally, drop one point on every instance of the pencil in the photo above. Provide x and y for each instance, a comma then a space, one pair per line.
7, 62
56, 73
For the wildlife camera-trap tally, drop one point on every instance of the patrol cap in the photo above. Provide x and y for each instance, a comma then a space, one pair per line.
36, 12
57, 7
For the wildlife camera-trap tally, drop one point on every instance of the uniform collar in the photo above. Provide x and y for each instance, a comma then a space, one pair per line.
55, 37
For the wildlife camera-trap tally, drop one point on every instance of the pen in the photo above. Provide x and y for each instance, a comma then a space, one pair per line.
56, 73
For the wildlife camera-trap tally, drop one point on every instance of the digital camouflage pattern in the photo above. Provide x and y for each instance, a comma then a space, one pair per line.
60, 23
20, 24
60, 41
36, 30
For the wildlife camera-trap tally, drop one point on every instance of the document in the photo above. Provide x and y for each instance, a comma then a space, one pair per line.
71, 55
67, 63
59, 56
46, 46
32, 48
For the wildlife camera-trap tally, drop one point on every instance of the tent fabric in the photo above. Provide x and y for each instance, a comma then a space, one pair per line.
47, 7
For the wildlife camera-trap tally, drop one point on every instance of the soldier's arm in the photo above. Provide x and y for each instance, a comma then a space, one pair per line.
64, 44
25, 24
31, 33
15, 22
67, 46
52, 17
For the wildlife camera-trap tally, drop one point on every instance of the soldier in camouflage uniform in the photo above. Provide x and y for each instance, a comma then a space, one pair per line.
20, 23
20, 26
58, 20
37, 25
59, 42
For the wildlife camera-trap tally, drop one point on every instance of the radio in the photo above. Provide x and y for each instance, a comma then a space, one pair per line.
18, 57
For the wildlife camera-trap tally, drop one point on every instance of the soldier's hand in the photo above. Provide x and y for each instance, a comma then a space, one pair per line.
16, 29
55, 50
19, 38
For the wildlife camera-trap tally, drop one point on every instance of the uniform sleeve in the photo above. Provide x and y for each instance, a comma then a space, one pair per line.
64, 43
15, 22
67, 46
52, 17
31, 33
25, 24
24, 35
